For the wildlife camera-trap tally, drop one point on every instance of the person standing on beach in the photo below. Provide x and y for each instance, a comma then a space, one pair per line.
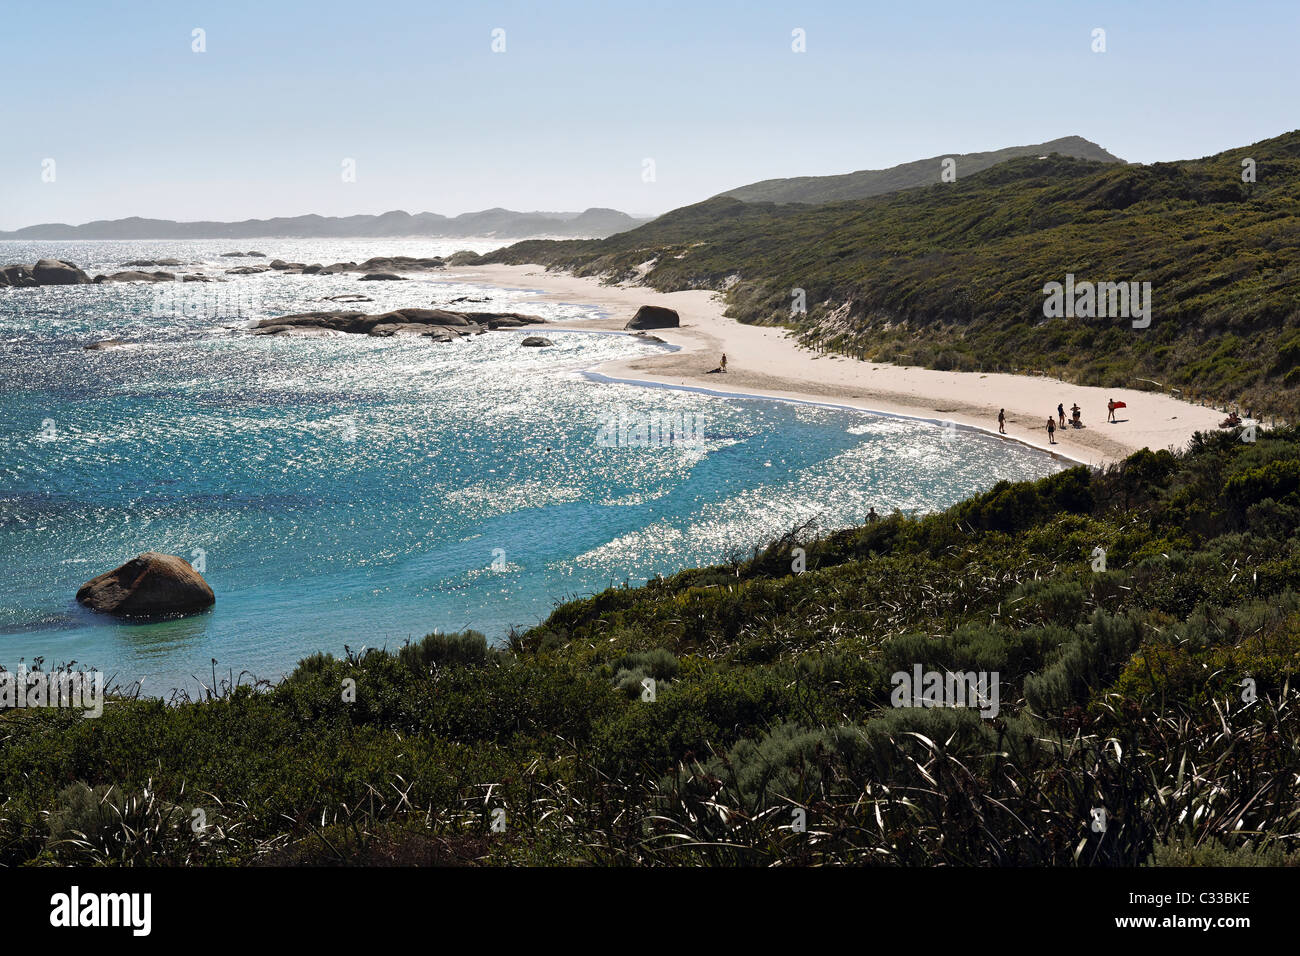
1051, 430
1002, 421
1110, 410
1060, 412
723, 364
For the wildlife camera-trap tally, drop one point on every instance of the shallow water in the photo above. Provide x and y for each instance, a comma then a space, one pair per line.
359, 491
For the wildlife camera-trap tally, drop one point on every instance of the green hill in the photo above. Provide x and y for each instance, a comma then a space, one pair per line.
922, 172
952, 275
1156, 687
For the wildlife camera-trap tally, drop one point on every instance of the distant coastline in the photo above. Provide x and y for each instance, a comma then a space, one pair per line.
592, 223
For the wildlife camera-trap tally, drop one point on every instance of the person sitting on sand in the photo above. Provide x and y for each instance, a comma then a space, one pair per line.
1002, 421
1051, 430
1074, 416
1232, 421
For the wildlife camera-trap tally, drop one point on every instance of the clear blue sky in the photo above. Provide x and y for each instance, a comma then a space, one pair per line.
260, 123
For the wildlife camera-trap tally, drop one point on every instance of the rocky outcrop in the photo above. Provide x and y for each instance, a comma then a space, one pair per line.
137, 277
58, 272
536, 342
149, 585
246, 271
242, 255
438, 324
145, 263
654, 317
398, 264
45, 272
382, 277
17, 276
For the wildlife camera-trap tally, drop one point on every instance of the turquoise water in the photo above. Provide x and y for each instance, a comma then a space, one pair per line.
359, 491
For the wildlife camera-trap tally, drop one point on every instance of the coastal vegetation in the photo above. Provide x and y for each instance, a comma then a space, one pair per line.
1142, 619
952, 275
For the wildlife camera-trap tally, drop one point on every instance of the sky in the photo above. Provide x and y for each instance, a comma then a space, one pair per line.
641, 106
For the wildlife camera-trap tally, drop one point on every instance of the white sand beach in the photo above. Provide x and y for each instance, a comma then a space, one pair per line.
768, 362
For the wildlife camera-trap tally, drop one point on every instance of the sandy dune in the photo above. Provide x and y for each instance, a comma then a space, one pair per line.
768, 362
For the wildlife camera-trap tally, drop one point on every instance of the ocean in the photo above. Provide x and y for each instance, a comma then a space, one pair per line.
362, 492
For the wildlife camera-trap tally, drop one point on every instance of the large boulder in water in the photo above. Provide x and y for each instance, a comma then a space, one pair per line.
149, 585
654, 317
58, 272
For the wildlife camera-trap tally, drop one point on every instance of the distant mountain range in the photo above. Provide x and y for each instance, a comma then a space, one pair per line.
504, 223
922, 172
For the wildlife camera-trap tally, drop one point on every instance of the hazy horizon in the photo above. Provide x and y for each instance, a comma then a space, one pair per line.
259, 124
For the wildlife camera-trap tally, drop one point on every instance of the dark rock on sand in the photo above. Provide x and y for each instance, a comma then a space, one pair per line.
149, 585
438, 324
536, 342
654, 317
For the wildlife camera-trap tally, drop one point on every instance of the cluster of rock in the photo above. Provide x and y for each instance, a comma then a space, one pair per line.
62, 272
45, 272
133, 276
377, 268
437, 324
243, 255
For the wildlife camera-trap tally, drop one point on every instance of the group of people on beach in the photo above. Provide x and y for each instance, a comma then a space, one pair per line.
1076, 419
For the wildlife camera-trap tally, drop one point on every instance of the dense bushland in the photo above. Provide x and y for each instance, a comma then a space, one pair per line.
1158, 690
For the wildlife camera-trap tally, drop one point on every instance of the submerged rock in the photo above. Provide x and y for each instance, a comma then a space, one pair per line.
536, 342
382, 277
654, 317
149, 585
